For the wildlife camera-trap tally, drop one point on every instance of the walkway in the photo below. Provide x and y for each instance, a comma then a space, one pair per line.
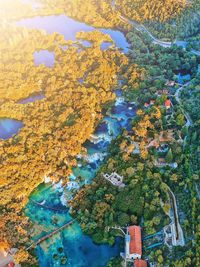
154, 245
197, 190
149, 236
177, 232
42, 239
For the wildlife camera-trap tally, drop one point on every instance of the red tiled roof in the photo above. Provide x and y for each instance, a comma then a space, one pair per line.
168, 103
140, 263
136, 240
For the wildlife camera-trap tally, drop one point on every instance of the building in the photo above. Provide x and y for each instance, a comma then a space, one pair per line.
168, 104
170, 83
163, 92
140, 263
115, 179
151, 103
133, 245
11, 264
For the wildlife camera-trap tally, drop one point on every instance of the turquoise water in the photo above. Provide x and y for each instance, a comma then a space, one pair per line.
71, 243
77, 247
9, 127
69, 27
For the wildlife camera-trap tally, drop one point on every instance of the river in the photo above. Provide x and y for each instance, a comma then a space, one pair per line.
71, 247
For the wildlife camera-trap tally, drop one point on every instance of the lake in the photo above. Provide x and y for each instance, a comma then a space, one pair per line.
44, 57
76, 247
32, 99
9, 127
69, 27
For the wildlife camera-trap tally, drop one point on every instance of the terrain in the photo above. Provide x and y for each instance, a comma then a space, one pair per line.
156, 150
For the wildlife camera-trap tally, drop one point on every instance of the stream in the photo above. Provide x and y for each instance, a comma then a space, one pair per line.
77, 247
71, 247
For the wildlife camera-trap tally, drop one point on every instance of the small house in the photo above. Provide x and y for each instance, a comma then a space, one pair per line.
168, 104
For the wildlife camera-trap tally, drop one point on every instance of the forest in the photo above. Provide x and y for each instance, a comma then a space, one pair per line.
144, 199
183, 26
76, 89
151, 10
41, 148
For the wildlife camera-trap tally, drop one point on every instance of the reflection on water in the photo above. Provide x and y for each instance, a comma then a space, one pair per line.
44, 57
69, 27
32, 99
9, 127
105, 45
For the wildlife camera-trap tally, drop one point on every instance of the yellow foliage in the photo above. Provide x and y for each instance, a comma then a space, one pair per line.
55, 127
21, 256
141, 10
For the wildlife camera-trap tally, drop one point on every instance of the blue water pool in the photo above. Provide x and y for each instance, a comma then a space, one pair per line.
77, 248
9, 127
183, 78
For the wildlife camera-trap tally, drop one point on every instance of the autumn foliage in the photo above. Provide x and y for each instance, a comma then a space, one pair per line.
54, 128
157, 10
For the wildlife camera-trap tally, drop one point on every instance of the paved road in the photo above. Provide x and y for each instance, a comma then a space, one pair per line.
143, 29
177, 96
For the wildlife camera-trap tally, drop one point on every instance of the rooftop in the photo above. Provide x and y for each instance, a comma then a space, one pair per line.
168, 103
136, 240
140, 263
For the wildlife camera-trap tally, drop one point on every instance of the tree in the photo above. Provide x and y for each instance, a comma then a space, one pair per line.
123, 219
169, 156
21, 256
180, 120
133, 219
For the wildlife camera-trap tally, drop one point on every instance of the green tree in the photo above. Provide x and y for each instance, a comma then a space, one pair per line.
180, 120
169, 156
123, 219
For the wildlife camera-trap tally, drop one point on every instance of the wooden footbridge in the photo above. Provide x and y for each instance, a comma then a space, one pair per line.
57, 230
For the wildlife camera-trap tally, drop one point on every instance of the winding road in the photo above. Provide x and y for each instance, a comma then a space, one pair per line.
177, 97
143, 29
